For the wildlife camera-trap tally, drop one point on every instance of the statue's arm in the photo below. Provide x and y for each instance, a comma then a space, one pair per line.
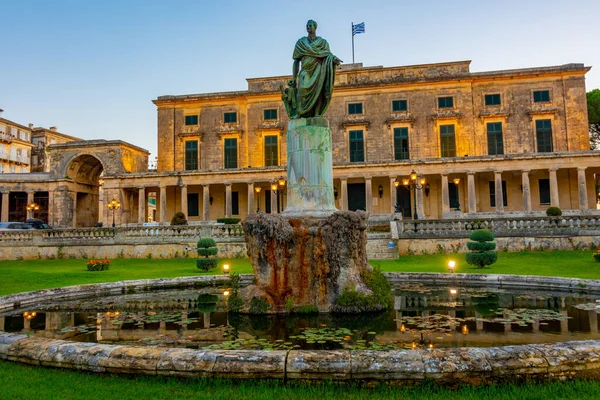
295, 69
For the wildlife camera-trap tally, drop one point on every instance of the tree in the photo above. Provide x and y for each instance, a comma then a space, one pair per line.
593, 104
482, 248
206, 248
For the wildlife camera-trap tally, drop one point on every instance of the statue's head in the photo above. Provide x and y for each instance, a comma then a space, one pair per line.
311, 26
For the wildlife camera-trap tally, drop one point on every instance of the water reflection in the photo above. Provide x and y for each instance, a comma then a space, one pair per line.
422, 317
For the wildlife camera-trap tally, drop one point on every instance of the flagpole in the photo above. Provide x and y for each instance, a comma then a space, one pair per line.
352, 32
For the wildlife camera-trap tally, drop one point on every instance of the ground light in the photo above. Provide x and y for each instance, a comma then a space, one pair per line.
226, 269
451, 266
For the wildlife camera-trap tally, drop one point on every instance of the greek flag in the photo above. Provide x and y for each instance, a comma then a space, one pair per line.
358, 28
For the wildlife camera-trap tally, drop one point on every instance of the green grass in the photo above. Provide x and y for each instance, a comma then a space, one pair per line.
27, 382
25, 275
570, 264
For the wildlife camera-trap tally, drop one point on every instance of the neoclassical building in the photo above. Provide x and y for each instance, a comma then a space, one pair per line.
478, 142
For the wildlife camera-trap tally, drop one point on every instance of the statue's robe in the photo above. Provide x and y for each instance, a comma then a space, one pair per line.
315, 80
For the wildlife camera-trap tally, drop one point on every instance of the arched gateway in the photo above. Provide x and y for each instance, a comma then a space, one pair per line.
69, 194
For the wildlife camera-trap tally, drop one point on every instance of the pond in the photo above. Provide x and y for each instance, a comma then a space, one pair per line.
419, 317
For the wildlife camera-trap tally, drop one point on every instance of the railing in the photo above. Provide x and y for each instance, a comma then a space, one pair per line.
17, 236
78, 234
516, 226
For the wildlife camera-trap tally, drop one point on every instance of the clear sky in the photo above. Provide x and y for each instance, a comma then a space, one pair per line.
91, 68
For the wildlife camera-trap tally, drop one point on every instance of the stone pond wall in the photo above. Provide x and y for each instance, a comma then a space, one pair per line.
452, 366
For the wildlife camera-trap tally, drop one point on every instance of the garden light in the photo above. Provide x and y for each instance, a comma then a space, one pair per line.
465, 330
226, 268
453, 291
451, 266
226, 293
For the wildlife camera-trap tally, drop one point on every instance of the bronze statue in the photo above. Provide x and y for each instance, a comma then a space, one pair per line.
309, 91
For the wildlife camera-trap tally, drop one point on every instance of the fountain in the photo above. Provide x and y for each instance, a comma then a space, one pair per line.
310, 254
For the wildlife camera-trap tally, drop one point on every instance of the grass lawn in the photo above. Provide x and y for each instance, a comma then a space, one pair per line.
27, 382
25, 275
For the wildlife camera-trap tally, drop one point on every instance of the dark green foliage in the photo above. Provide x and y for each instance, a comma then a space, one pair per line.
207, 302
258, 305
234, 301
306, 309
206, 252
178, 219
482, 235
228, 221
481, 248
206, 264
481, 259
352, 301
593, 103
206, 243
596, 257
553, 212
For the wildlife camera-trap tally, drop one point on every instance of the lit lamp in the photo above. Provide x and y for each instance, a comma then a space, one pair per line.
281, 181
101, 181
226, 293
456, 181
453, 291
402, 328
32, 208
465, 330
451, 266
113, 205
29, 315
257, 190
274, 186
226, 269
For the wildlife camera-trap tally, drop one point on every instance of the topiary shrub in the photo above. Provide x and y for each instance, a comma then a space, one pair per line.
481, 248
228, 220
553, 212
207, 302
206, 248
178, 219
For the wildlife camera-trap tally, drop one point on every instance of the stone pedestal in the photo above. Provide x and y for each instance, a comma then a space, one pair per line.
310, 169
305, 261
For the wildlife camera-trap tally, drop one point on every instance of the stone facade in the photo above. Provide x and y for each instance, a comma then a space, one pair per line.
41, 138
15, 147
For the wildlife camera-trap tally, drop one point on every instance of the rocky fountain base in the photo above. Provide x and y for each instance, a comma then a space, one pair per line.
305, 263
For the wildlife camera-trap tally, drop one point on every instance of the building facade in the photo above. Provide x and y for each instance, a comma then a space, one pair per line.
510, 141
15, 147
41, 138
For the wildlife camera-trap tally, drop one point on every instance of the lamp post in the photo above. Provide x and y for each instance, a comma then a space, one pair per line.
113, 205
456, 182
31, 208
257, 189
278, 187
413, 182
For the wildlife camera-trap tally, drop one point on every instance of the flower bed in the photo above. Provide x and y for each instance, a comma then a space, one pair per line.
98, 265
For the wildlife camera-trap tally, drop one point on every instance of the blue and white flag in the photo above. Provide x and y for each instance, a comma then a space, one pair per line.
358, 28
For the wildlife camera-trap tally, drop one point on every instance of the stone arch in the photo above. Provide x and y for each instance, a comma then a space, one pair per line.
85, 168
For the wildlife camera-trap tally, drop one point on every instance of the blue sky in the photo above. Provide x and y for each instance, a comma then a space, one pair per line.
92, 67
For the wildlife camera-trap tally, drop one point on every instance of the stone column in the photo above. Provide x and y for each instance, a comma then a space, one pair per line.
593, 319
393, 195
228, 207
141, 205
526, 191
498, 191
419, 197
74, 210
554, 201
206, 202
30, 195
369, 194
344, 194
445, 195
471, 193
4, 215
250, 198
184, 200
163, 204
583, 199
273, 200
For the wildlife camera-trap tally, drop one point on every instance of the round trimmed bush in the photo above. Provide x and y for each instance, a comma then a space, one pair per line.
481, 246
482, 259
482, 235
178, 219
208, 251
207, 302
206, 264
553, 212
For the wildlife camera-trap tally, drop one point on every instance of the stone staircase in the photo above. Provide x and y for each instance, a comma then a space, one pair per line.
377, 247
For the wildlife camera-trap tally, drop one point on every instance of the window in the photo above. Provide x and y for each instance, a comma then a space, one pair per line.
357, 142
230, 117
399, 105
401, 144
191, 120
453, 195
493, 194
231, 153
543, 133
270, 114
193, 205
271, 154
544, 191
191, 155
235, 203
445, 102
541, 96
492, 100
494, 137
355, 108
447, 141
